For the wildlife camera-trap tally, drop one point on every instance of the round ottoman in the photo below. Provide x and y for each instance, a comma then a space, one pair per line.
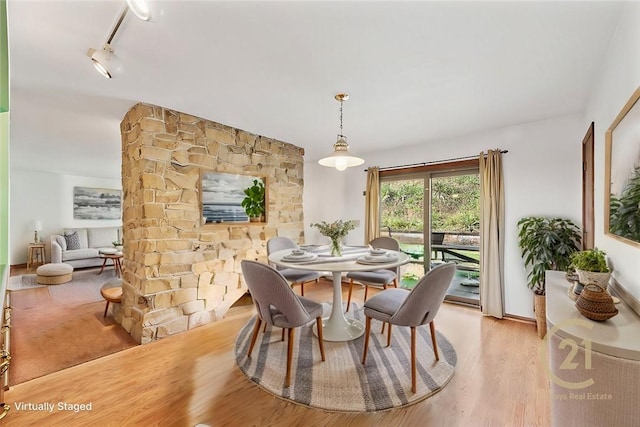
112, 292
54, 274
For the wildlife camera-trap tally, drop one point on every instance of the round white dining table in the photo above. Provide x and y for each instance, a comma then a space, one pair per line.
337, 327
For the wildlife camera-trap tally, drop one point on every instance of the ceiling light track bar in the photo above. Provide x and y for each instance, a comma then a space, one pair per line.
125, 9
434, 162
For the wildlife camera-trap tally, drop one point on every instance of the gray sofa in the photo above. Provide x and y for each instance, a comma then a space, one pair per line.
91, 240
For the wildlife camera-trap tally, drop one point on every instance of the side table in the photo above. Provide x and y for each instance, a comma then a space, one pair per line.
36, 255
115, 258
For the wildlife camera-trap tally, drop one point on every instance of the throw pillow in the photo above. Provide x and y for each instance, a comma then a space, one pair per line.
73, 241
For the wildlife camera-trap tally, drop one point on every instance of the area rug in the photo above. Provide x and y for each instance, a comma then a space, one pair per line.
341, 382
26, 281
58, 326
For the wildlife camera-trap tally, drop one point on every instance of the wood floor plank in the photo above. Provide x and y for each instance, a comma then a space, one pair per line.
192, 378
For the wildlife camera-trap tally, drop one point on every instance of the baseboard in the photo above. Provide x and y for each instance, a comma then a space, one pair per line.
520, 318
13, 268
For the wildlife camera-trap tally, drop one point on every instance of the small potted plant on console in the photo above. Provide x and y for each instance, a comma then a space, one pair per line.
591, 267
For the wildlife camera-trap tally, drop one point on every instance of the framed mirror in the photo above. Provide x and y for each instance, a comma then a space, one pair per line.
622, 174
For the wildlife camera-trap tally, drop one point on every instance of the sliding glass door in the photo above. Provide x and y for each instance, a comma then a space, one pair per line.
435, 217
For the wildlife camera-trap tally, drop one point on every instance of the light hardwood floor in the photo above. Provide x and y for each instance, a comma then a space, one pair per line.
192, 378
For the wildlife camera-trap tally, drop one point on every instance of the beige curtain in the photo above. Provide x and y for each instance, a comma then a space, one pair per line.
372, 202
491, 234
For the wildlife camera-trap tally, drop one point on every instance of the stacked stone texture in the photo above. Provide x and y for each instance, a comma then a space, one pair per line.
178, 273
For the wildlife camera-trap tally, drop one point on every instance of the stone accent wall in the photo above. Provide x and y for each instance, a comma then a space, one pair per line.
179, 273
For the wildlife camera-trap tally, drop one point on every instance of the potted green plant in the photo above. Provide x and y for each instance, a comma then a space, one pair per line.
118, 244
591, 267
545, 244
253, 203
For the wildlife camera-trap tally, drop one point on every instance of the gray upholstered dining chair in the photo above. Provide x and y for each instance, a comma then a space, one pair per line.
378, 278
412, 308
278, 305
294, 276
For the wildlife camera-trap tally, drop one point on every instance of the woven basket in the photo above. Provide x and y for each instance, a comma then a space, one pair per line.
595, 303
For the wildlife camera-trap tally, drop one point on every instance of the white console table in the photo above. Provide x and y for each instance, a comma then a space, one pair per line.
594, 367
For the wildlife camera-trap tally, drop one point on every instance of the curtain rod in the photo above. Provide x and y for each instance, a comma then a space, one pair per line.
434, 162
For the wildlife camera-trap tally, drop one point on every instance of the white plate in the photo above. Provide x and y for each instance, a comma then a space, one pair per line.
368, 259
298, 258
314, 248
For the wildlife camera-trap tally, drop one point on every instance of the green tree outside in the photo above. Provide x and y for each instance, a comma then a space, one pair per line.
455, 204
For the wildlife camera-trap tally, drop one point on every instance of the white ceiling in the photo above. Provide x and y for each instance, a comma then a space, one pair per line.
415, 71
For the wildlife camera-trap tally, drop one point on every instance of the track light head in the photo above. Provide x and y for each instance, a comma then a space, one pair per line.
105, 61
140, 9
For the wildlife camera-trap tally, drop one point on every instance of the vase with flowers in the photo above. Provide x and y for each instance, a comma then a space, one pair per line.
335, 231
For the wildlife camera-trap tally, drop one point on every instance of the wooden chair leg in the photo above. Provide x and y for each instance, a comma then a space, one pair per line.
389, 335
366, 292
256, 329
104, 263
349, 296
302, 289
265, 328
433, 339
105, 309
413, 359
395, 282
320, 338
367, 330
282, 337
289, 357
383, 326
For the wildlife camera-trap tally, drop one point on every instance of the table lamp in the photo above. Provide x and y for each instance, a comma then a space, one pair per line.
37, 226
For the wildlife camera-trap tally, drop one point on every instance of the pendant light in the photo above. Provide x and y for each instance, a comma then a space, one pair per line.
341, 158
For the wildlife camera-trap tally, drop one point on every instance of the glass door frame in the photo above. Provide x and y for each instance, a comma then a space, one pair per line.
426, 175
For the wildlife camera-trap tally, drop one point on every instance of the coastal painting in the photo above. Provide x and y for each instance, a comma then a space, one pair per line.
222, 195
96, 203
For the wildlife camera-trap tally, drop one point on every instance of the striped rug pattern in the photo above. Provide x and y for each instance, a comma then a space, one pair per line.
342, 383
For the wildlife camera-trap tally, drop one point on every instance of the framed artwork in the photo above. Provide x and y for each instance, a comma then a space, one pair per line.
223, 195
96, 203
622, 174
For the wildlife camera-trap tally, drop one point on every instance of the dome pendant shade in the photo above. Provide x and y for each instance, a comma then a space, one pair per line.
341, 158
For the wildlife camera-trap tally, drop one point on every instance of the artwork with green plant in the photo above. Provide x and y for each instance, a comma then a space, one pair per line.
590, 260
253, 203
624, 210
546, 244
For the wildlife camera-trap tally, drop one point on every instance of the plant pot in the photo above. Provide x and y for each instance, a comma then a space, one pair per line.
540, 309
256, 219
594, 278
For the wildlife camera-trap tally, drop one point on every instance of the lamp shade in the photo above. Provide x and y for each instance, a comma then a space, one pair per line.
341, 158
36, 225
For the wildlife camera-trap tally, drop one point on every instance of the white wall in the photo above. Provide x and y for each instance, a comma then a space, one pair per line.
542, 176
620, 77
49, 198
